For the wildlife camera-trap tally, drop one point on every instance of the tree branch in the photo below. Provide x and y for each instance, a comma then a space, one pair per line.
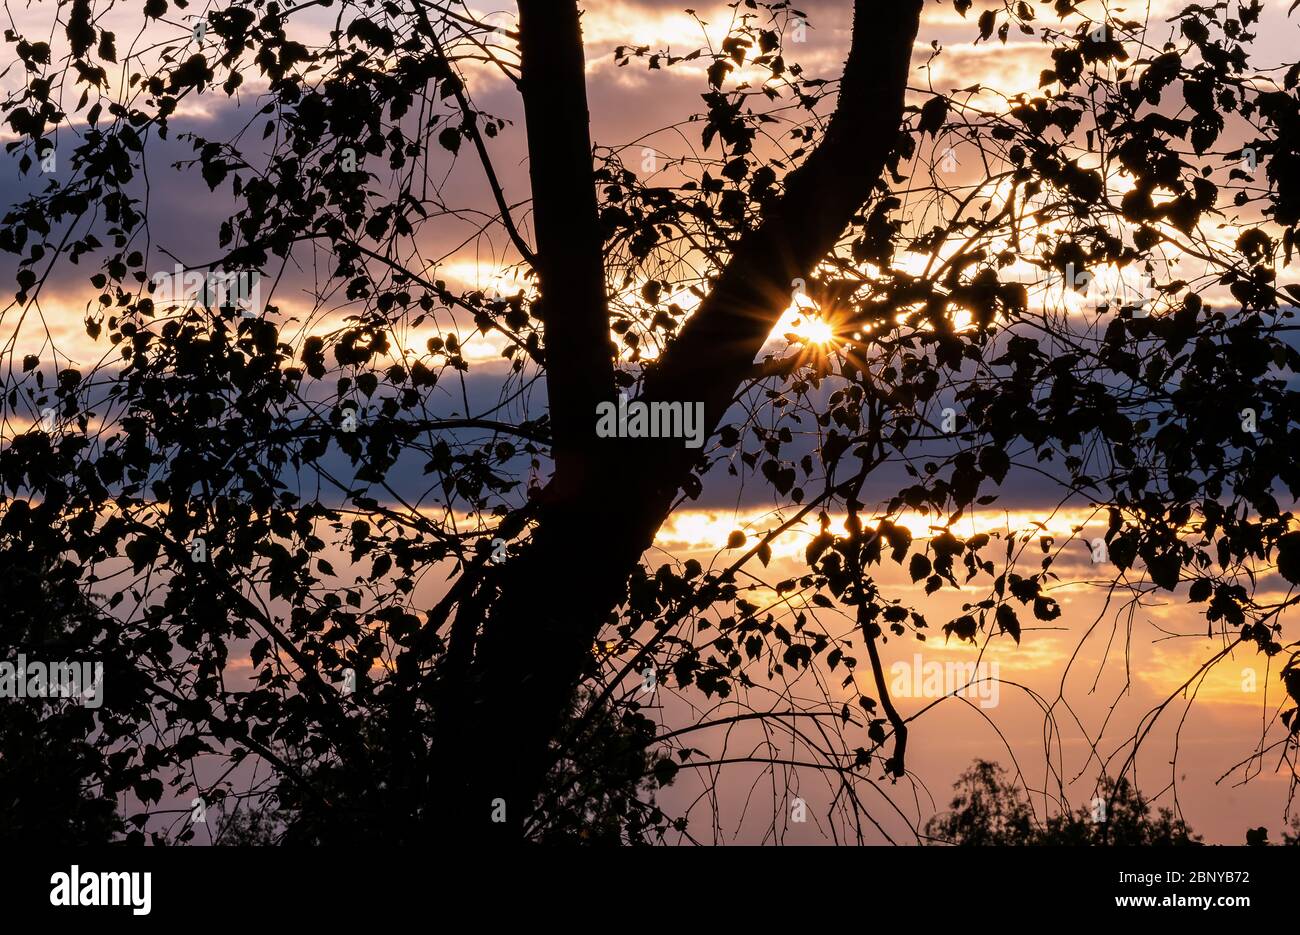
471, 125
717, 346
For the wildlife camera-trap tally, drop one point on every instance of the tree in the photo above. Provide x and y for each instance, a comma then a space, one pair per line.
210, 471
986, 811
56, 783
989, 810
1258, 837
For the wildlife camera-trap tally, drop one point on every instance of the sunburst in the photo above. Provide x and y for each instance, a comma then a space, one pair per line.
812, 329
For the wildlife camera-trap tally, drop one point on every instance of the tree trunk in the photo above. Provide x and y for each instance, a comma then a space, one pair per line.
608, 497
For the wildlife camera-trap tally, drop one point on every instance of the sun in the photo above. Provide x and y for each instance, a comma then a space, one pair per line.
805, 325
813, 330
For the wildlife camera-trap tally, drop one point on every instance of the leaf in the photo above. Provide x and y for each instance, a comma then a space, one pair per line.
994, 462
1195, 30
933, 113
313, 356
1164, 568
919, 567
1288, 557
257, 652
1008, 621
718, 72
214, 172
79, 31
1291, 679
449, 139
665, 771
820, 543
782, 478
141, 552
1046, 609
149, 790
107, 48
964, 628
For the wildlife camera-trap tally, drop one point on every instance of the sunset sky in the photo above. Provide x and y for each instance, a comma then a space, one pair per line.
1099, 669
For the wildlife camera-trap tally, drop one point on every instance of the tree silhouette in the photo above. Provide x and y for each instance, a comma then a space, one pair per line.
228, 483
989, 810
1258, 837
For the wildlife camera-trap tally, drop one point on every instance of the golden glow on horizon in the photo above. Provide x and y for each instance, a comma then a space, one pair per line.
706, 530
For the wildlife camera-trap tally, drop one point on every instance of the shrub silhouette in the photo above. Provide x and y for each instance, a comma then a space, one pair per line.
990, 811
